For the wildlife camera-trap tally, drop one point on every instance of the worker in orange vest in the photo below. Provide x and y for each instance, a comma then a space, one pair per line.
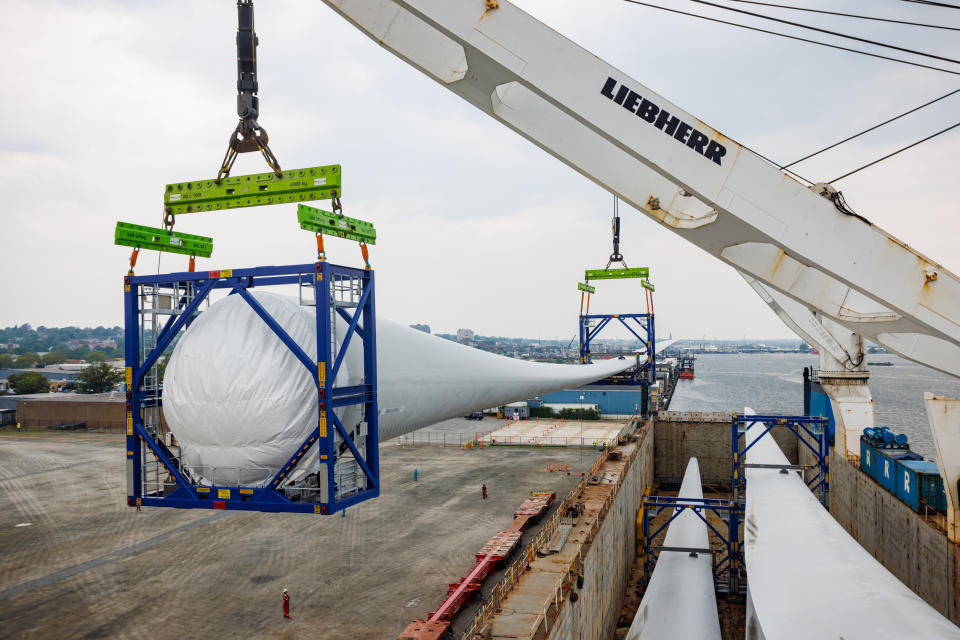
286, 604
483, 491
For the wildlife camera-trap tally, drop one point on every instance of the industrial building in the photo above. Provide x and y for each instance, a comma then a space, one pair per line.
610, 401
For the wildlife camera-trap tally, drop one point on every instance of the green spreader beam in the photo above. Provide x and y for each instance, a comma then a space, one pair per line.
140, 237
616, 274
331, 224
297, 185
586, 287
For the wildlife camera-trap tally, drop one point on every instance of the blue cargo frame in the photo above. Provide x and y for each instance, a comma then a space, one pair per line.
644, 324
651, 506
810, 431
323, 278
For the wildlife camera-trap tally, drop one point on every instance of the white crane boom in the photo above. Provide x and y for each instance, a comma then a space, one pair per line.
714, 192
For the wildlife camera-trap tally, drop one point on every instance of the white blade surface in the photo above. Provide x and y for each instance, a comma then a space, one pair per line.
680, 601
240, 403
807, 577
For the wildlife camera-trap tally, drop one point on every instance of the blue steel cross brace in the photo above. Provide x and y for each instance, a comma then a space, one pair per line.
640, 325
651, 506
810, 431
328, 447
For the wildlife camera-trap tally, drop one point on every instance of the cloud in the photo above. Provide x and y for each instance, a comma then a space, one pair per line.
477, 227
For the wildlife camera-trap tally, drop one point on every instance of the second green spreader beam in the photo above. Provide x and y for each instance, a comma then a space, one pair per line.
331, 224
150, 238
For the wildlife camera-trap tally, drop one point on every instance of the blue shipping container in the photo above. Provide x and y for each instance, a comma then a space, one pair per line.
919, 482
868, 457
885, 466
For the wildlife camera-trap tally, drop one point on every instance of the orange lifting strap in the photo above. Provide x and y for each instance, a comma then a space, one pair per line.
133, 259
366, 254
321, 254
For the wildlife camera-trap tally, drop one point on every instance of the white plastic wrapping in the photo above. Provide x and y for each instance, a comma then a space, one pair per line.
239, 402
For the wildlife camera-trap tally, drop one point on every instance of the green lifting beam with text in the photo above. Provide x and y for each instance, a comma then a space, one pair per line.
296, 185
646, 284
616, 274
586, 287
140, 237
332, 224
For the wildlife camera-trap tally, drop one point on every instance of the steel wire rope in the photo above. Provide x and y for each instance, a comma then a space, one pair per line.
877, 126
846, 15
890, 155
935, 4
827, 31
784, 35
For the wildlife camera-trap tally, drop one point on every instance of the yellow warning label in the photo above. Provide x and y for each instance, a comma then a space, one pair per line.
248, 492
323, 425
129, 378
203, 490
129, 423
319, 277
316, 508
323, 456
226, 273
223, 494
322, 374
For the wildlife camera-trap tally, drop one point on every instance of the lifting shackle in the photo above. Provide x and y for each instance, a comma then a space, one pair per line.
249, 135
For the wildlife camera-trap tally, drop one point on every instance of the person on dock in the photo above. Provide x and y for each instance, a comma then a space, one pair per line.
483, 492
286, 604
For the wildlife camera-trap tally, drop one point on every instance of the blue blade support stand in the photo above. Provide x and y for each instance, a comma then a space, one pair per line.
347, 462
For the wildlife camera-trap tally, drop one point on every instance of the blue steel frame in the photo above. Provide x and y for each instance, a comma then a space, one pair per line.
643, 321
269, 497
815, 430
651, 506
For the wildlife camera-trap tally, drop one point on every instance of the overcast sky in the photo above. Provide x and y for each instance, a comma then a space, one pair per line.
105, 102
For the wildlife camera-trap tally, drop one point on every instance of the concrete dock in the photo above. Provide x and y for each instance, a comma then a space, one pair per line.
75, 561
555, 433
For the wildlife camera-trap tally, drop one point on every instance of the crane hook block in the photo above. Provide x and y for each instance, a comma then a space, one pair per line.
331, 224
140, 237
296, 185
616, 274
585, 287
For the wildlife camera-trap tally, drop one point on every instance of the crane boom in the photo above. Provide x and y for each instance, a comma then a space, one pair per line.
686, 175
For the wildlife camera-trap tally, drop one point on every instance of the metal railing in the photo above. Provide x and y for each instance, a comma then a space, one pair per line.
463, 439
492, 603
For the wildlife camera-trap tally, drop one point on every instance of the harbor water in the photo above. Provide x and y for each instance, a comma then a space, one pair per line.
773, 383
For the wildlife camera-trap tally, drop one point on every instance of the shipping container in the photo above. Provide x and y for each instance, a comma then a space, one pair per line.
919, 483
885, 466
868, 457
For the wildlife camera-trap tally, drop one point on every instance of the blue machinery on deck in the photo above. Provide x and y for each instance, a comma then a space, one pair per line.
810, 431
349, 470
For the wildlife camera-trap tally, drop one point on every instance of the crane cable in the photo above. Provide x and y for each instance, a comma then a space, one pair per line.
847, 15
877, 126
827, 31
934, 4
784, 35
890, 155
